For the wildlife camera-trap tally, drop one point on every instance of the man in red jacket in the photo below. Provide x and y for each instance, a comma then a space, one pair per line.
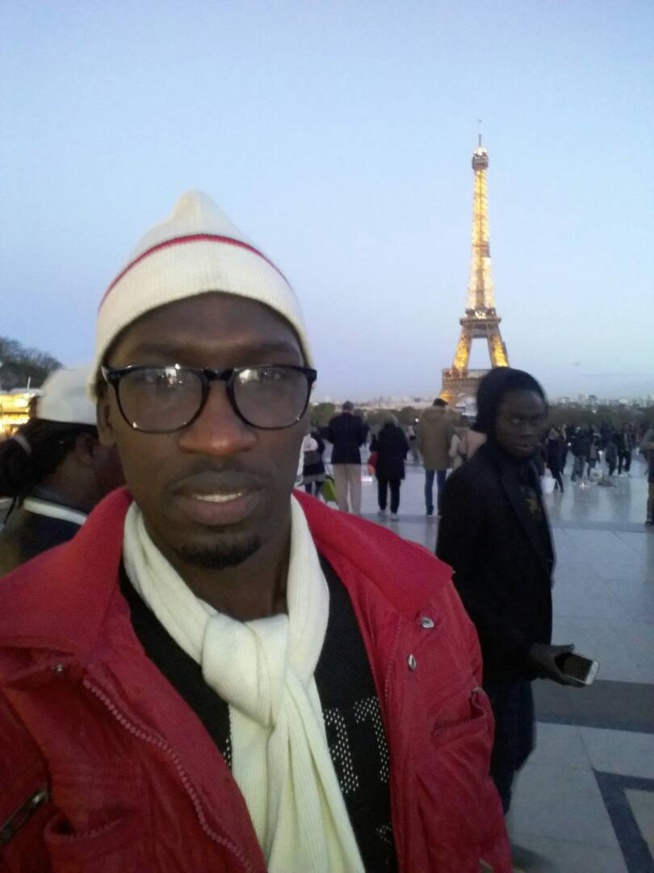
216, 674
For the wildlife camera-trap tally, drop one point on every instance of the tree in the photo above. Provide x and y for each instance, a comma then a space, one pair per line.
321, 414
20, 366
408, 415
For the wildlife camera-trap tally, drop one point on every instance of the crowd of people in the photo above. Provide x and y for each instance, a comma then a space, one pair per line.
441, 442
215, 671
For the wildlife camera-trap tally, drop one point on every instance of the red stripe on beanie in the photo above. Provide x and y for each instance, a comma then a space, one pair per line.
180, 240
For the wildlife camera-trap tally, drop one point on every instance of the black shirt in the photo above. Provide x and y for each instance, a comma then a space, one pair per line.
351, 713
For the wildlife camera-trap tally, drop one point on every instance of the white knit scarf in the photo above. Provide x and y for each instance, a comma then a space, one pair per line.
264, 670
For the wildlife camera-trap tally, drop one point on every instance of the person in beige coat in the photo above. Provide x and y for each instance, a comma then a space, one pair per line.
459, 447
435, 432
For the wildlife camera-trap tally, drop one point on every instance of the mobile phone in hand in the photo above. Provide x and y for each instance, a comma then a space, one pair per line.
582, 670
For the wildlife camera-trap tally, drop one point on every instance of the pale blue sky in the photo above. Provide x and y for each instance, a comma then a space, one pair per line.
338, 136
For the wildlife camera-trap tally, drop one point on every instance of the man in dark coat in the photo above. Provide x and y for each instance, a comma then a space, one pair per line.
580, 449
347, 432
495, 534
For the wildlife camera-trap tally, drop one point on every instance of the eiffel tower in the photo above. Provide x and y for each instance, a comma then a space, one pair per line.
480, 321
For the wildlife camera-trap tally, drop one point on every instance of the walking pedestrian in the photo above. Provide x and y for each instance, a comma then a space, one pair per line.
611, 454
435, 432
593, 453
647, 448
459, 447
554, 457
347, 432
580, 447
624, 444
391, 446
313, 466
413, 448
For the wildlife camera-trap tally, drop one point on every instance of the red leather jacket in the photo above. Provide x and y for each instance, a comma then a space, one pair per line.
105, 769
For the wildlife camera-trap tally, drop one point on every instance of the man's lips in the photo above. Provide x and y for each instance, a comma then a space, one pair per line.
218, 499
225, 497
217, 483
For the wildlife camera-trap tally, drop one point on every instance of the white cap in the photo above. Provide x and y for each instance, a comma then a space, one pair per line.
64, 397
196, 250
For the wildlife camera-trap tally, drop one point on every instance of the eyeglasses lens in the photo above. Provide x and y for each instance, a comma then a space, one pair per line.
160, 398
165, 399
271, 397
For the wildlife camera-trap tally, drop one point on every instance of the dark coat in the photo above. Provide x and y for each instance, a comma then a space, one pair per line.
554, 454
581, 444
346, 432
391, 446
503, 560
611, 452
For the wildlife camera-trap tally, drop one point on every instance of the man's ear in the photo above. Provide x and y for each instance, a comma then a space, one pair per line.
84, 448
105, 419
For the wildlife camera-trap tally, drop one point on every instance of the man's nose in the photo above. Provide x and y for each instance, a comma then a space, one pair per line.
218, 430
529, 429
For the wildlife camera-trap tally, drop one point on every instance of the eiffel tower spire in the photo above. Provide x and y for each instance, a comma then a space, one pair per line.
481, 320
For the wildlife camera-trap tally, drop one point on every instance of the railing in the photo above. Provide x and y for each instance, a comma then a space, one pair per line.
464, 374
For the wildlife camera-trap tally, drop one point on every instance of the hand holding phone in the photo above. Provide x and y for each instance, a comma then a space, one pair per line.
561, 665
544, 657
579, 670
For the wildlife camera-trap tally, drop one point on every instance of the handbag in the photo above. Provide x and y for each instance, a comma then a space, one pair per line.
371, 464
328, 489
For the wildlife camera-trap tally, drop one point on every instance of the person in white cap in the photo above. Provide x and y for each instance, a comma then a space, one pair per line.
238, 678
55, 470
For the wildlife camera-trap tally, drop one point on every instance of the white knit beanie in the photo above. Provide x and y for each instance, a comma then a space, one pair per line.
197, 249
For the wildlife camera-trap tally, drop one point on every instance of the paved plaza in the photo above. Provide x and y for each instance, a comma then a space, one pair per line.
586, 797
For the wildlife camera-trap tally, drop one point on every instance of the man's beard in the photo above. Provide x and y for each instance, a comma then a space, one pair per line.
221, 555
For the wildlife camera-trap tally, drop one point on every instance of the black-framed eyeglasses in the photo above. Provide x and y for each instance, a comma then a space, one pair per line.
167, 399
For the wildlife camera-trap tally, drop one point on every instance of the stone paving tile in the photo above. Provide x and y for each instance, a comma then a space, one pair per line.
547, 802
623, 752
591, 598
572, 857
642, 806
639, 638
621, 706
559, 745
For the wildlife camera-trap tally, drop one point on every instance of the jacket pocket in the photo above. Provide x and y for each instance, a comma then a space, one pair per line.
472, 721
454, 785
115, 847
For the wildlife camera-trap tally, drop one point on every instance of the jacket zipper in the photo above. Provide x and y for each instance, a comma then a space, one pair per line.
154, 740
22, 815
